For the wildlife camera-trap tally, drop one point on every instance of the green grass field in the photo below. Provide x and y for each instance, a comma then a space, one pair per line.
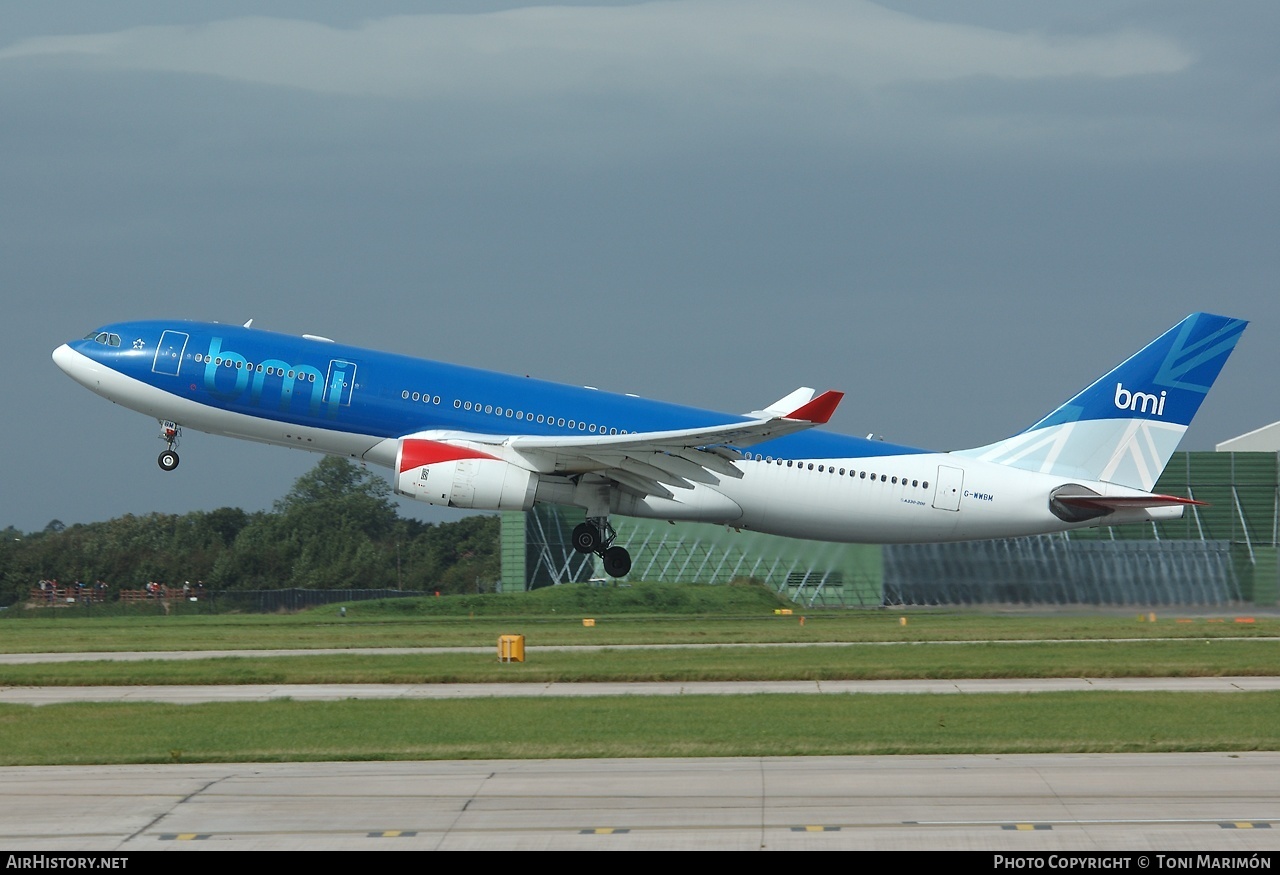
848, 645
639, 614
639, 726
1154, 658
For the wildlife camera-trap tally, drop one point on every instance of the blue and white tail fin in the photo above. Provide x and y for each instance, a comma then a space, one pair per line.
1124, 428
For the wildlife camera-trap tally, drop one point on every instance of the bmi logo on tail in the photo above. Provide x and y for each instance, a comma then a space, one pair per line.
1126, 400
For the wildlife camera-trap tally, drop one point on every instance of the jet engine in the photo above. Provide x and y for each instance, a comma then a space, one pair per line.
455, 475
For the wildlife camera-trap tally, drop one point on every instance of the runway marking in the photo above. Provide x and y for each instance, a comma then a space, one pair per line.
815, 829
1244, 824
1026, 826
393, 833
603, 831
184, 836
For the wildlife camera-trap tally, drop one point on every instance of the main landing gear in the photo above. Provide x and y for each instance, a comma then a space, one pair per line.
596, 536
169, 433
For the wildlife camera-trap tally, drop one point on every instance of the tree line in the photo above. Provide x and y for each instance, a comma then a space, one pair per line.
337, 528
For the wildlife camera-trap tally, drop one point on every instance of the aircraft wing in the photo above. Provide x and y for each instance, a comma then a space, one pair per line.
652, 463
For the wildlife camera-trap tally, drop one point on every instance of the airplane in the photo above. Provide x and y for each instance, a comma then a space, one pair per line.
462, 437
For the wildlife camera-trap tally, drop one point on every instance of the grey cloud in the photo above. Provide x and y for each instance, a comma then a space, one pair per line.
655, 48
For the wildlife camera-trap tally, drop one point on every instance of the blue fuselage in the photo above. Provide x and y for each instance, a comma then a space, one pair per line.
318, 384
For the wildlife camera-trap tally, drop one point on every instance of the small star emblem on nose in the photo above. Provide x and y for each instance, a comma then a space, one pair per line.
138, 344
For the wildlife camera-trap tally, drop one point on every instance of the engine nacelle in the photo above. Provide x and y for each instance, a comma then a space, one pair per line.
453, 475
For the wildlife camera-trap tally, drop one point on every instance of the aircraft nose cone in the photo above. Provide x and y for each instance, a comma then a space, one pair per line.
77, 366
63, 357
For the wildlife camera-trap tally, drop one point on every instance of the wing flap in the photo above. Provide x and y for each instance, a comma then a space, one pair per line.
640, 485
640, 469
712, 462
677, 465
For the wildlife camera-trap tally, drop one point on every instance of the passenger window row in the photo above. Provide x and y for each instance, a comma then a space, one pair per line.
510, 413
822, 467
269, 370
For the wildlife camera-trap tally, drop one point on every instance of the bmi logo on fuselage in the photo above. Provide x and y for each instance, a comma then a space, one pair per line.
1141, 402
276, 380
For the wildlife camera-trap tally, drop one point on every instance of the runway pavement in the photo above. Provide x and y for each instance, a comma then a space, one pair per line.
332, 692
1148, 804
143, 655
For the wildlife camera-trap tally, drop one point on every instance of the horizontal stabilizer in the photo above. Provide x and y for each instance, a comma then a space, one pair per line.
1077, 504
1119, 502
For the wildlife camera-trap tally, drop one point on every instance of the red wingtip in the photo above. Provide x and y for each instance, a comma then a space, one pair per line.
818, 410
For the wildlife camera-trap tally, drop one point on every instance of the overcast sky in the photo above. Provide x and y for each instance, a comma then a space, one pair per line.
957, 213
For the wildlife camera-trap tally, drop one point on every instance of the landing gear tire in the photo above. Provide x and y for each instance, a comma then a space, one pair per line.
617, 562
169, 433
585, 538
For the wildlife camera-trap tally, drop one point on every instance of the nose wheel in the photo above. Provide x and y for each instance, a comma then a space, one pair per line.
169, 433
596, 536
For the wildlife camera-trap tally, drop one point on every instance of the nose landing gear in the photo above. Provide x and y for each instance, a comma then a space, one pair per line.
169, 433
596, 536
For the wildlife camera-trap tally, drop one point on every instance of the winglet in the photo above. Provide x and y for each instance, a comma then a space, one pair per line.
819, 410
784, 405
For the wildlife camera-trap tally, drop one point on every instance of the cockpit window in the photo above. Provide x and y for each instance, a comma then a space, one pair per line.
104, 337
